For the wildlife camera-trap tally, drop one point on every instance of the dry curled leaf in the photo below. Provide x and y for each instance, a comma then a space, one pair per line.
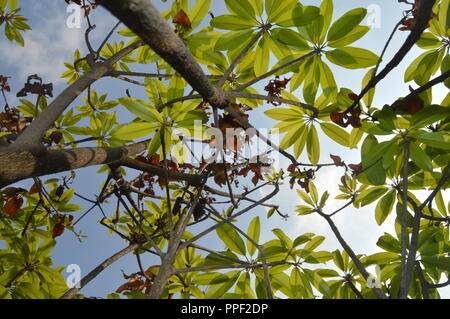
181, 18
275, 87
12, 205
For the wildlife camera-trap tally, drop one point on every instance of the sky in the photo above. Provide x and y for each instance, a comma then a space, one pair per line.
51, 43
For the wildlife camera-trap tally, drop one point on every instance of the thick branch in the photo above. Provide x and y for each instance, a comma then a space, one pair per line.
145, 21
19, 165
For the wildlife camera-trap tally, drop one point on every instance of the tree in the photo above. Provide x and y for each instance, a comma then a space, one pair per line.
404, 149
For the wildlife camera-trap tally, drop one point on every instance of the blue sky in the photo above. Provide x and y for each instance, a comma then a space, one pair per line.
51, 43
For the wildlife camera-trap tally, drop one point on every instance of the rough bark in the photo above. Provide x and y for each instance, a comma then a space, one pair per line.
23, 164
145, 20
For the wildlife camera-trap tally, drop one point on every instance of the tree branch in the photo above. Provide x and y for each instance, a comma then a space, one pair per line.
192, 179
97, 270
351, 253
146, 22
19, 165
425, 11
404, 285
31, 137
240, 56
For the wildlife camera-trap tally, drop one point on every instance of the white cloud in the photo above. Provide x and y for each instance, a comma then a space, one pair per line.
47, 47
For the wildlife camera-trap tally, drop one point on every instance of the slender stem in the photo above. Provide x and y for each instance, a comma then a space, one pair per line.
425, 12
108, 36
423, 282
355, 291
387, 45
240, 56
378, 292
404, 284
97, 270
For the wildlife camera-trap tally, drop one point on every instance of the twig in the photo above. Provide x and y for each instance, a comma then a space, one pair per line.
425, 11
241, 55
97, 270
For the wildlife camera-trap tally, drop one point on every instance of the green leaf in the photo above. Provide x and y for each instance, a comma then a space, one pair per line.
368, 97
370, 195
283, 114
258, 6
313, 145
285, 240
154, 144
303, 210
207, 279
141, 109
435, 139
326, 10
419, 157
326, 273
198, 12
429, 115
428, 41
13, 4
274, 250
301, 141
217, 291
327, 81
303, 15
384, 207
314, 243
371, 153
352, 58
279, 10
231, 22
318, 257
254, 230
336, 133
413, 68
292, 136
444, 17
380, 258
241, 8
131, 131
231, 238
346, 24
291, 38
295, 282
261, 58
389, 243
233, 39
4, 293
439, 262
357, 33
312, 81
